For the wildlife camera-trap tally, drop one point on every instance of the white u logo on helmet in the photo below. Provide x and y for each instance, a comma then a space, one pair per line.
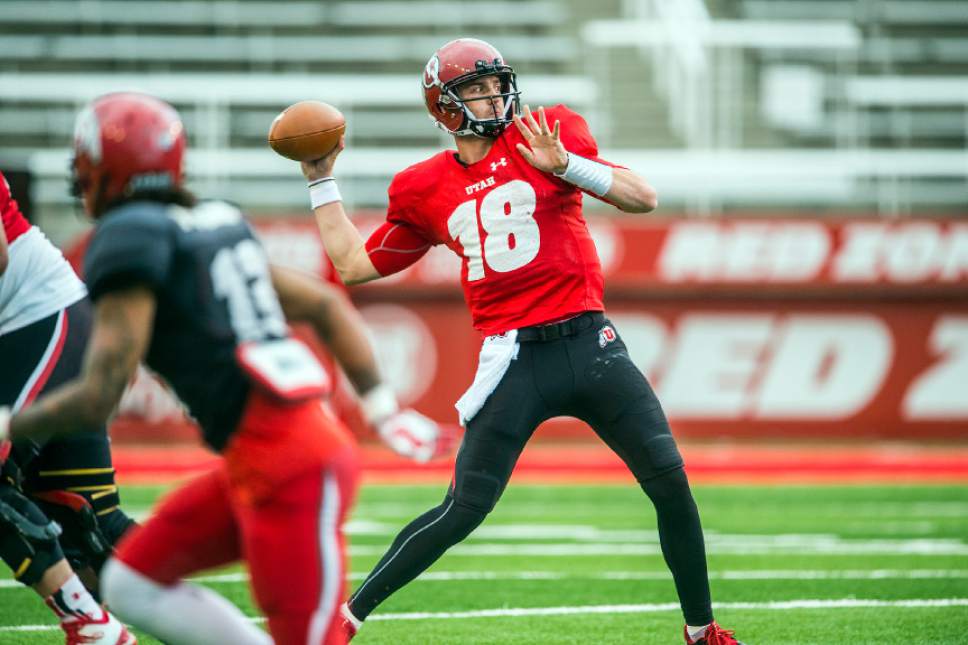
87, 133
431, 72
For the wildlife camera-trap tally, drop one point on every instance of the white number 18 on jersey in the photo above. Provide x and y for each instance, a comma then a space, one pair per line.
507, 217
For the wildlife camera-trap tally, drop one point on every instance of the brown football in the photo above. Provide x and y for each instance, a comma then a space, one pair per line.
306, 130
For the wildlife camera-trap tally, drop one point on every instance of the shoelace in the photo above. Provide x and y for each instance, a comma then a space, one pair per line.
74, 634
716, 635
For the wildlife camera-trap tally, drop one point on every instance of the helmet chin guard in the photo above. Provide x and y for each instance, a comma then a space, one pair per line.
458, 62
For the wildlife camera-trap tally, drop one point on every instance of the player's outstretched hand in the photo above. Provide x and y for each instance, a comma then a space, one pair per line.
323, 167
544, 149
415, 436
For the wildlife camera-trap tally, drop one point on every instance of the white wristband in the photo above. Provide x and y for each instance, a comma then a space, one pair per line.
323, 191
587, 174
379, 404
4, 423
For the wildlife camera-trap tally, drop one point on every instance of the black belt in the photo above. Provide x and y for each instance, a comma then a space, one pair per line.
554, 331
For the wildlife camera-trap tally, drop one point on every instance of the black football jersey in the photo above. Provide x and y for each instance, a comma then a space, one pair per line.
211, 280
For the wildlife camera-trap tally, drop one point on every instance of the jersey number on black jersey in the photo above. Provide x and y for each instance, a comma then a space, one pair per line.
240, 276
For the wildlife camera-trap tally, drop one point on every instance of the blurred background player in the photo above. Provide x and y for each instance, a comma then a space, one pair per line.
45, 320
185, 286
508, 202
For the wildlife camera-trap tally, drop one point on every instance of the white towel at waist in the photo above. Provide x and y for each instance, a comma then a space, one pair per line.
497, 352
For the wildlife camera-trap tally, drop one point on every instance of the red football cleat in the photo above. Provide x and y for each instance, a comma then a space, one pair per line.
350, 624
714, 635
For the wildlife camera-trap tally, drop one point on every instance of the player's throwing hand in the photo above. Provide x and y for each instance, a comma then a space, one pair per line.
546, 150
323, 167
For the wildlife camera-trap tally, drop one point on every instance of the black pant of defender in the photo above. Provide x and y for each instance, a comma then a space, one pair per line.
79, 463
577, 368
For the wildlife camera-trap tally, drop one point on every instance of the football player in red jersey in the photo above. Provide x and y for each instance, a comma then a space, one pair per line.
508, 202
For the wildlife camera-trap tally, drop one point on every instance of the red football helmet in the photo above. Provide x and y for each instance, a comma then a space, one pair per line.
125, 143
460, 61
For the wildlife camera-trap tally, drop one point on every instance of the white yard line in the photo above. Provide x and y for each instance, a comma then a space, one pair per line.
877, 574
535, 540
751, 574
716, 542
765, 545
510, 612
785, 605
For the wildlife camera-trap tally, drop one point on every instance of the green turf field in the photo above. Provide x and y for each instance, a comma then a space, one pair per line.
581, 564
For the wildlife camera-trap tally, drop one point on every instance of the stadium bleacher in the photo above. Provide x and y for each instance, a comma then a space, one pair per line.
838, 79
851, 78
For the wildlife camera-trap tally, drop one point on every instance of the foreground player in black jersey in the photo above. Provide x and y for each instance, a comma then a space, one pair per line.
186, 287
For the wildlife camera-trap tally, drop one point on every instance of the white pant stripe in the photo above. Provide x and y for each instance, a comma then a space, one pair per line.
399, 550
330, 560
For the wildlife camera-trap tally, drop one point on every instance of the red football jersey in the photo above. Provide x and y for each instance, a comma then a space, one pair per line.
14, 223
528, 257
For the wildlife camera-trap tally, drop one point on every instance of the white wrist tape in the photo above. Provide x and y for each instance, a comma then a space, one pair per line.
587, 174
4, 423
379, 404
323, 191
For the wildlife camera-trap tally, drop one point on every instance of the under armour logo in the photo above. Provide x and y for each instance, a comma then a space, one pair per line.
495, 164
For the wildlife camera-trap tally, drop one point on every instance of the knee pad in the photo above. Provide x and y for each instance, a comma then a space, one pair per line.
478, 491
91, 519
651, 456
663, 453
671, 486
28, 539
82, 541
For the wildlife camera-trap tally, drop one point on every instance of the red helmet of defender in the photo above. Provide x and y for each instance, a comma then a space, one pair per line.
125, 143
460, 61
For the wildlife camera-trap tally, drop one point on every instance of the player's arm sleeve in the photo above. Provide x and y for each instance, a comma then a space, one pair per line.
130, 248
400, 241
394, 246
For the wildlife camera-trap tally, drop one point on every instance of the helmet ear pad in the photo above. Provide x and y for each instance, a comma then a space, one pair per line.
451, 110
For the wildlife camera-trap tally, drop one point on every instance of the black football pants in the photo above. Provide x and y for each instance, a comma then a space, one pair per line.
79, 463
576, 369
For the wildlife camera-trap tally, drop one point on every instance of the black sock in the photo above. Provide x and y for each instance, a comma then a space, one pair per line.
680, 535
415, 548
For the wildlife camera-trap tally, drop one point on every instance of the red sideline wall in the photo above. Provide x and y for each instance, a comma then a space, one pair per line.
767, 327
